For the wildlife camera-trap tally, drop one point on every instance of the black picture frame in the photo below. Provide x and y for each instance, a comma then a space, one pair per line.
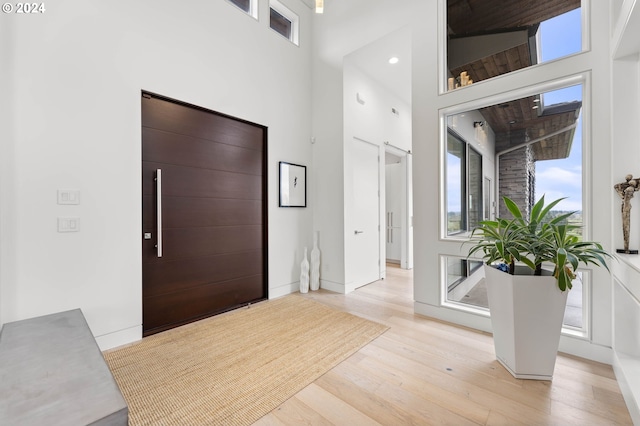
293, 185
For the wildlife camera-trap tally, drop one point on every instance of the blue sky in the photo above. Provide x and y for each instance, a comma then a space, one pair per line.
561, 36
563, 178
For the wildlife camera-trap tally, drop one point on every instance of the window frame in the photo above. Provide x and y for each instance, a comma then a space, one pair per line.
253, 8
465, 185
583, 78
291, 16
443, 70
462, 167
579, 78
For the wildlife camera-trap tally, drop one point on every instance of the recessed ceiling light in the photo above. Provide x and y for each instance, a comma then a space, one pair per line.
393, 60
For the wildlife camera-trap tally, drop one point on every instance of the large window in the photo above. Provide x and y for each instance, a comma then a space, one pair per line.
534, 147
464, 186
493, 37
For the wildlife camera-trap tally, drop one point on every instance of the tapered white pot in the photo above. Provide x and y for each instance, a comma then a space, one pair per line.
526, 315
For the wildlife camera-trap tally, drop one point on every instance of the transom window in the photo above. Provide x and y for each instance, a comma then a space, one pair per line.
283, 21
250, 7
280, 24
489, 38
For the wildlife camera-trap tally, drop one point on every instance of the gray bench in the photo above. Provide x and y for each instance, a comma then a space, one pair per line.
53, 373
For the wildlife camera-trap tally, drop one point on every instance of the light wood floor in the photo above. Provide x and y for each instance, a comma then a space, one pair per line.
423, 371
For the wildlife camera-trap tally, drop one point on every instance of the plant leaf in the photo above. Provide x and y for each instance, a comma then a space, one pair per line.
513, 208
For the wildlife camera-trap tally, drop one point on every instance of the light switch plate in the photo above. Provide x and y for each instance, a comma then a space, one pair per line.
68, 224
68, 196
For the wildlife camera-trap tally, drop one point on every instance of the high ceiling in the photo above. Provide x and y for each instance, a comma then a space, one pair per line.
373, 60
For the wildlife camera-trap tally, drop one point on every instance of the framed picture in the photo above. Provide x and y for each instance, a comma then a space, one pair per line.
293, 185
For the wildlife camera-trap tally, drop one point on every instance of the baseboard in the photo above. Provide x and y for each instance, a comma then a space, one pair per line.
283, 290
332, 286
119, 338
570, 345
585, 349
454, 316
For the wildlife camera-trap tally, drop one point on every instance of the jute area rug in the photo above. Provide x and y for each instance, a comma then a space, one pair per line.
234, 368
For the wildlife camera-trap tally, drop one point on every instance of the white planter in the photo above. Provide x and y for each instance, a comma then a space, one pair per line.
526, 316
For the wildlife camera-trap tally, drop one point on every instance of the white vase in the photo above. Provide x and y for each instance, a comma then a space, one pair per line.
304, 273
315, 264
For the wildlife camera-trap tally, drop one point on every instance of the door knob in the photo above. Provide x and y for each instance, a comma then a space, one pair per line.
357, 232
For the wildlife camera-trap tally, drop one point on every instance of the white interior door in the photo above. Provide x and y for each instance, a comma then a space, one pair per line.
365, 259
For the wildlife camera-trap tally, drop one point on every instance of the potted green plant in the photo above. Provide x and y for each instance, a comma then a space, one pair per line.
527, 303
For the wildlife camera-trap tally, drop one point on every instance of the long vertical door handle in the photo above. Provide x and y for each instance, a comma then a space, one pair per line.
159, 209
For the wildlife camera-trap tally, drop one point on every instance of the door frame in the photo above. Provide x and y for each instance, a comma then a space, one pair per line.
265, 186
406, 222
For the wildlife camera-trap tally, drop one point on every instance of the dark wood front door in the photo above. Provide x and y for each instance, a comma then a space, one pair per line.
204, 213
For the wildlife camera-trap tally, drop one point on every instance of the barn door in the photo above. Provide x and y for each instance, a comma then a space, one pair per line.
204, 213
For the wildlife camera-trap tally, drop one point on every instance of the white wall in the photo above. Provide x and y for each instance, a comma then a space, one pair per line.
342, 29
372, 118
76, 74
368, 116
6, 152
625, 130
